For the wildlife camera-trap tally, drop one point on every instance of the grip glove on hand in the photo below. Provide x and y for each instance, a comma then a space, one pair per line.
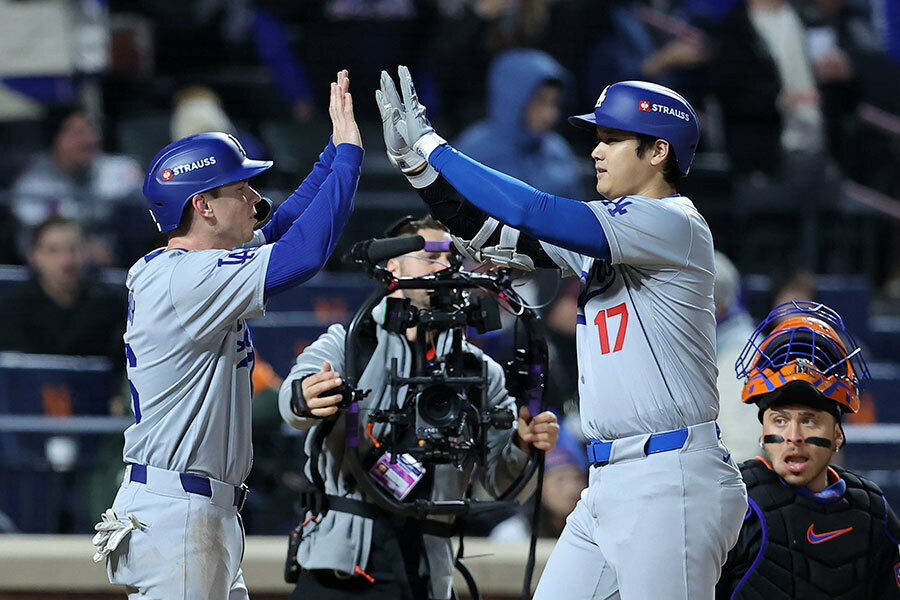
400, 154
414, 125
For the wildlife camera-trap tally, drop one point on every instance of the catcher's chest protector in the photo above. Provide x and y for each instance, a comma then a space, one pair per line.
807, 549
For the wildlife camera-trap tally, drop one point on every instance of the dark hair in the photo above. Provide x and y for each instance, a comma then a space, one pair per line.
410, 225
55, 221
184, 225
671, 174
56, 116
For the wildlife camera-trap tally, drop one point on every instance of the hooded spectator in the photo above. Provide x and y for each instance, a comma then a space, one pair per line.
526, 89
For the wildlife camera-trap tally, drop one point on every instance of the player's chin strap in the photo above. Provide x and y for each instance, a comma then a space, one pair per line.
503, 254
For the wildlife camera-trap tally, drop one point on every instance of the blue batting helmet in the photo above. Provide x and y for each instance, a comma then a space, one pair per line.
650, 109
197, 163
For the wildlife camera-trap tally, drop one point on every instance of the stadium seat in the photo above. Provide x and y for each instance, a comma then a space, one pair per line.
325, 294
35, 496
279, 337
883, 337
885, 390
849, 296
42, 384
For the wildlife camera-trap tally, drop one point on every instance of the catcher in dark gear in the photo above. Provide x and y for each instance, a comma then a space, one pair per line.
813, 530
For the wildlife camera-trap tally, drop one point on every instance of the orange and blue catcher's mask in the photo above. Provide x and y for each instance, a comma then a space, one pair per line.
809, 343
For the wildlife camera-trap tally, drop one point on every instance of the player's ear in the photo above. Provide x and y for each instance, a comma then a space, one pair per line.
201, 205
661, 151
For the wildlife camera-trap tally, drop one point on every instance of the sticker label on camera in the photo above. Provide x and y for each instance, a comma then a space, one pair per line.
398, 478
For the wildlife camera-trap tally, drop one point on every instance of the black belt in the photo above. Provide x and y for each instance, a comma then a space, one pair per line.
321, 503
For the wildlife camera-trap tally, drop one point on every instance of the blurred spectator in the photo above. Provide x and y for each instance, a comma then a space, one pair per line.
851, 67
733, 327
628, 40
798, 285
365, 36
131, 86
525, 93
564, 479
466, 36
766, 85
198, 109
76, 180
60, 310
629, 46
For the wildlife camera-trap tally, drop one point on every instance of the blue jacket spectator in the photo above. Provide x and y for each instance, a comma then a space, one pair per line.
525, 90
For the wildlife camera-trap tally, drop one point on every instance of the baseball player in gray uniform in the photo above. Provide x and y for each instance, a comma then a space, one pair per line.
665, 501
174, 530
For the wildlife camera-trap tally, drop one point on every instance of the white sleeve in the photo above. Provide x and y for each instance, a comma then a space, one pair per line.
211, 289
645, 232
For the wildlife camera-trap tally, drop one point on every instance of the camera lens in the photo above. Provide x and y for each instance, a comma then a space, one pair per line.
439, 405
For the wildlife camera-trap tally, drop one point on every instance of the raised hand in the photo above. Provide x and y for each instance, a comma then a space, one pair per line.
340, 109
414, 125
391, 108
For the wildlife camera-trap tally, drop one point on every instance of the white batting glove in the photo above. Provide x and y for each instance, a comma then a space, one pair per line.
414, 125
111, 531
416, 169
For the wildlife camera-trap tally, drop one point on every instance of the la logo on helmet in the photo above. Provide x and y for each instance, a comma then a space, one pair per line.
167, 175
644, 106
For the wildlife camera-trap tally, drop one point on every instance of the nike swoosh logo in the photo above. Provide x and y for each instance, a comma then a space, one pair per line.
824, 537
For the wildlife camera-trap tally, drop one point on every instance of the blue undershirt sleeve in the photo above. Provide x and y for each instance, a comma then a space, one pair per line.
566, 223
303, 249
297, 202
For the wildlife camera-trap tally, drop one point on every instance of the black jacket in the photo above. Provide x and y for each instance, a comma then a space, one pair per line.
92, 326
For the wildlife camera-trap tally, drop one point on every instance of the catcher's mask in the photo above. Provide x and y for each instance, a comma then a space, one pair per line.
809, 358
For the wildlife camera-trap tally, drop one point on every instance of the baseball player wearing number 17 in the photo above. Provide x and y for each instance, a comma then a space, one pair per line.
174, 530
664, 502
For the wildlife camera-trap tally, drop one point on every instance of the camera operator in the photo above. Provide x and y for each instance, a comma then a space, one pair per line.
355, 549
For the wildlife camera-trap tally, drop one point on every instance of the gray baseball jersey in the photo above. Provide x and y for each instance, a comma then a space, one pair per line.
190, 358
646, 319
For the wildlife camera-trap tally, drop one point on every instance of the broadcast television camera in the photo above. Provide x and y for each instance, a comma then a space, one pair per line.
443, 416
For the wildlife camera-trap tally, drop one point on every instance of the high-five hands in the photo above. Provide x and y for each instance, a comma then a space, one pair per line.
340, 109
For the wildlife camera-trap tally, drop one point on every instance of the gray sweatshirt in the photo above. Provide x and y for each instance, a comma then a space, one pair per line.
341, 541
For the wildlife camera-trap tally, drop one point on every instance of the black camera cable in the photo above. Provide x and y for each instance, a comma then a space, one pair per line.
535, 522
